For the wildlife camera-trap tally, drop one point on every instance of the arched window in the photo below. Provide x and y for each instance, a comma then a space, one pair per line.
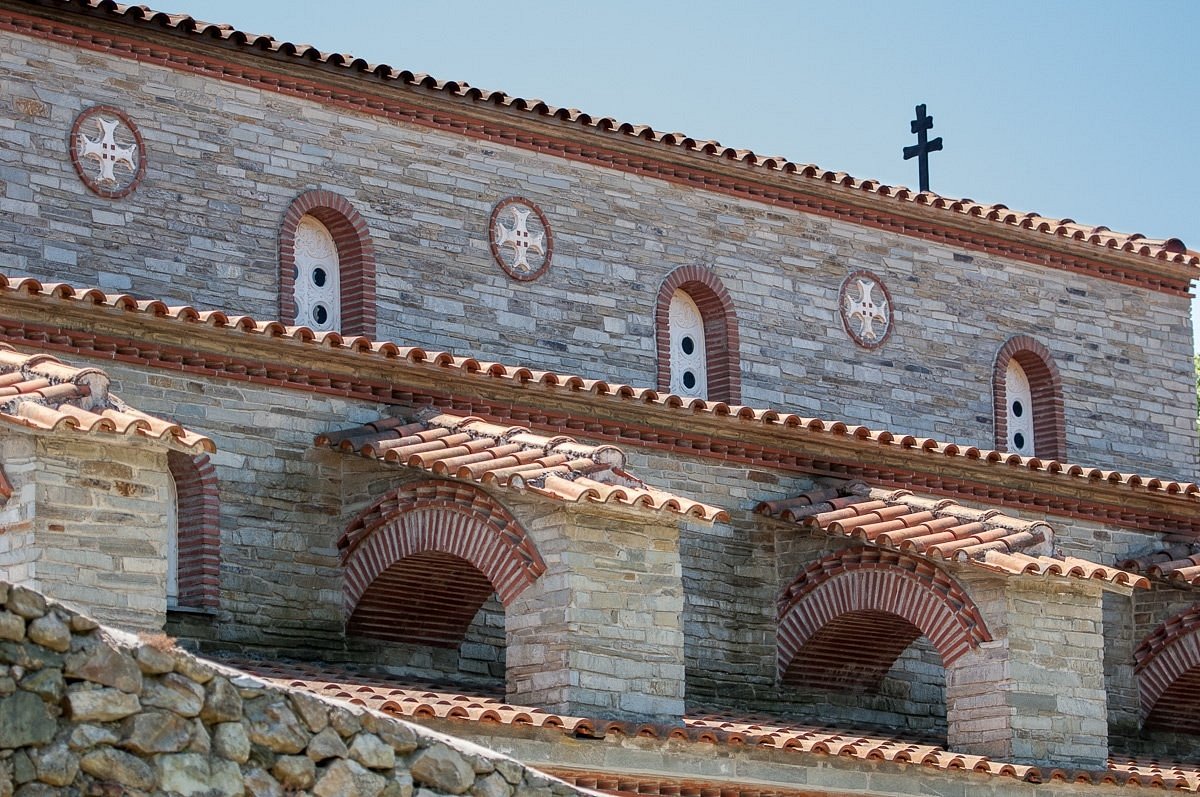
1028, 405
697, 337
689, 358
326, 266
194, 535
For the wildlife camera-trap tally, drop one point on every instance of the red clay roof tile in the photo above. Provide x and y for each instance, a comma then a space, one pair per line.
1170, 249
1178, 565
398, 697
940, 529
557, 467
39, 392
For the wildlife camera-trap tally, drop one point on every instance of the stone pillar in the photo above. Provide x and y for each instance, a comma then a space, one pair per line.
1036, 694
87, 524
600, 632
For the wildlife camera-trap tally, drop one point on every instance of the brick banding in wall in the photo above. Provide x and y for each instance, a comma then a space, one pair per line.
720, 331
847, 617
1167, 665
1049, 422
356, 258
199, 512
422, 560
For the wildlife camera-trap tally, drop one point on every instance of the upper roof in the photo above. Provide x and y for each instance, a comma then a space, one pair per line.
37, 391
1170, 250
512, 456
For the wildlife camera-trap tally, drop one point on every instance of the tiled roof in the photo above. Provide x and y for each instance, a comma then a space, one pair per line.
1178, 565
938, 528
523, 376
397, 697
1170, 250
511, 456
38, 391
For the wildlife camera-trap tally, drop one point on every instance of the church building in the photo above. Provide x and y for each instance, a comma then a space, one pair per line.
662, 467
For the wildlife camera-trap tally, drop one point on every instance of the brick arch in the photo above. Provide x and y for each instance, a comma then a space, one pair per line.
1167, 667
847, 617
720, 331
198, 522
356, 256
1049, 425
450, 518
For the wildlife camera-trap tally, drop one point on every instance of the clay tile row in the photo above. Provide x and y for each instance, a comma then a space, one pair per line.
397, 697
37, 391
213, 320
939, 529
1178, 565
469, 448
1169, 249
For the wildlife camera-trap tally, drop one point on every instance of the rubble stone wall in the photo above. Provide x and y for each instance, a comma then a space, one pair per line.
86, 710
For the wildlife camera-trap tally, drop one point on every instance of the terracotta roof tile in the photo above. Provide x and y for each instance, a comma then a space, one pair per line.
38, 391
940, 529
418, 358
1170, 249
557, 467
1178, 565
402, 698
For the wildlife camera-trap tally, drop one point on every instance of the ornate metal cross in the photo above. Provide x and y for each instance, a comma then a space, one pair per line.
921, 125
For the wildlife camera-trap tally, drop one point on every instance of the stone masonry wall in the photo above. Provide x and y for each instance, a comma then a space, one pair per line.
225, 161
85, 710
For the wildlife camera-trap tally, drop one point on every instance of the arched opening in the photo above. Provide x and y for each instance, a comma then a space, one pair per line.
866, 636
194, 533
1167, 665
697, 337
1028, 403
430, 569
326, 266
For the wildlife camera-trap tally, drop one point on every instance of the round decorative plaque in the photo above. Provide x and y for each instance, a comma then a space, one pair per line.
520, 238
107, 151
866, 309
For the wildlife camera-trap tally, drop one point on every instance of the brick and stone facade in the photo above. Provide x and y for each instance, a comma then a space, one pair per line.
642, 611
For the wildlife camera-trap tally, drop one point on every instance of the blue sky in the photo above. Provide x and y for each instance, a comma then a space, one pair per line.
1086, 110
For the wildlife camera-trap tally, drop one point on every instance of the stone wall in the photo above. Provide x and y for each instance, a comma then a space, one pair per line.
86, 710
225, 161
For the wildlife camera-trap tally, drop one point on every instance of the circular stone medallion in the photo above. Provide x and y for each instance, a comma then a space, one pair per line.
107, 151
866, 309
520, 238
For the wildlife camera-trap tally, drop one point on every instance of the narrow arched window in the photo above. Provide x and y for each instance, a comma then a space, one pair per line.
317, 277
697, 336
689, 357
1028, 401
326, 266
172, 513
1019, 403
193, 533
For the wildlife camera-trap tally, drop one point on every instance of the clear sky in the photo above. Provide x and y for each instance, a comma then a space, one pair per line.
1087, 110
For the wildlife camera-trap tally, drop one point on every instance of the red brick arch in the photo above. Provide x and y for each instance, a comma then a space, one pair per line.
1049, 426
720, 331
847, 617
198, 519
356, 255
421, 561
1167, 666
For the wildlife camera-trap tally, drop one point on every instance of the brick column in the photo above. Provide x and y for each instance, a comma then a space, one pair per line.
600, 632
1036, 694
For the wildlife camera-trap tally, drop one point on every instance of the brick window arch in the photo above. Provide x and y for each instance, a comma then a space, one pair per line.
355, 280
701, 289
1025, 373
847, 618
197, 543
1167, 667
422, 560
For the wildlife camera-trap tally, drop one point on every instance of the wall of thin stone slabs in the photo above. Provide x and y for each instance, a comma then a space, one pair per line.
88, 710
226, 160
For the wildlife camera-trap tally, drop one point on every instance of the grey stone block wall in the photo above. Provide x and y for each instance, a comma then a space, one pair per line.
225, 161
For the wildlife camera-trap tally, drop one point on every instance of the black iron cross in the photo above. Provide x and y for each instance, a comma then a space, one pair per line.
923, 147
